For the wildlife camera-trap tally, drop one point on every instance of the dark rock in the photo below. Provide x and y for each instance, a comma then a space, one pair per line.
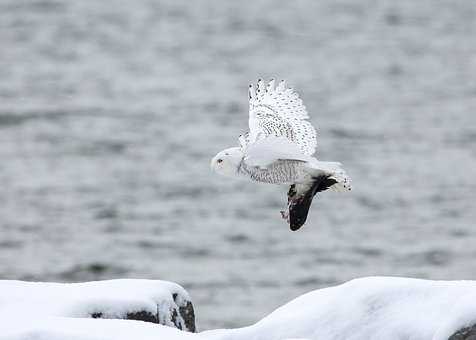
188, 316
467, 333
144, 316
180, 315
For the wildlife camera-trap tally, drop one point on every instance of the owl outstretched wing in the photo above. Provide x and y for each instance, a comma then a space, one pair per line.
278, 111
270, 149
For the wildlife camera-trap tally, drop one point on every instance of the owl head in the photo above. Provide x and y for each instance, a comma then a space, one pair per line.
226, 162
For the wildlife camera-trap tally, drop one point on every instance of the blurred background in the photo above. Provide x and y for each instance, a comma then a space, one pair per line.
111, 110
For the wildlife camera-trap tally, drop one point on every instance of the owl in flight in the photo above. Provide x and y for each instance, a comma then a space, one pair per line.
279, 149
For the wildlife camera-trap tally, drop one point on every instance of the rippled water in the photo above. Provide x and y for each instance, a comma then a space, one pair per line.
111, 110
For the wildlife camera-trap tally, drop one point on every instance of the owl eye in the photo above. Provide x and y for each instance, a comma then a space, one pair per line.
219, 160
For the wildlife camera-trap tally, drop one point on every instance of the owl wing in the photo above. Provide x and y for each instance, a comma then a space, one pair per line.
270, 149
278, 111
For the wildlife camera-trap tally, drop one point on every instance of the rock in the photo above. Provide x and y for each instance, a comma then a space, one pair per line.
186, 312
467, 333
181, 315
155, 301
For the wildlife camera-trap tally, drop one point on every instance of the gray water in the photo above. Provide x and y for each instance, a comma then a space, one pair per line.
111, 110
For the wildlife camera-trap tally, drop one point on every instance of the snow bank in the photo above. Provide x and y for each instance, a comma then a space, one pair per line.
57, 328
380, 308
370, 308
150, 300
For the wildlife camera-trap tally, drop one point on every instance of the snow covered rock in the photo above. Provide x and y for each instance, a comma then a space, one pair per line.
467, 333
374, 308
154, 301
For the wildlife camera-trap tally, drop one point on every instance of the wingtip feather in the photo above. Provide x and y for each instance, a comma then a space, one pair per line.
281, 86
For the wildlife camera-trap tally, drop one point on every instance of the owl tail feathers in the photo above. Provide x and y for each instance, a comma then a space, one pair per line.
336, 172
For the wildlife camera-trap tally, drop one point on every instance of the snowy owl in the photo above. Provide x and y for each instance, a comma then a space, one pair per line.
278, 149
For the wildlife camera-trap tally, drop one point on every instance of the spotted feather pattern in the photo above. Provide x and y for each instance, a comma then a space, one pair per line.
278, 110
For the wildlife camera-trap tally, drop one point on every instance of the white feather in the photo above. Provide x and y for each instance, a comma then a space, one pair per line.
278, 111
270, 149
335, 170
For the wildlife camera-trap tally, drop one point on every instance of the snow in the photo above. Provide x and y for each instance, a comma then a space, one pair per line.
361, 309
371, 308
58, 328
112, 298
